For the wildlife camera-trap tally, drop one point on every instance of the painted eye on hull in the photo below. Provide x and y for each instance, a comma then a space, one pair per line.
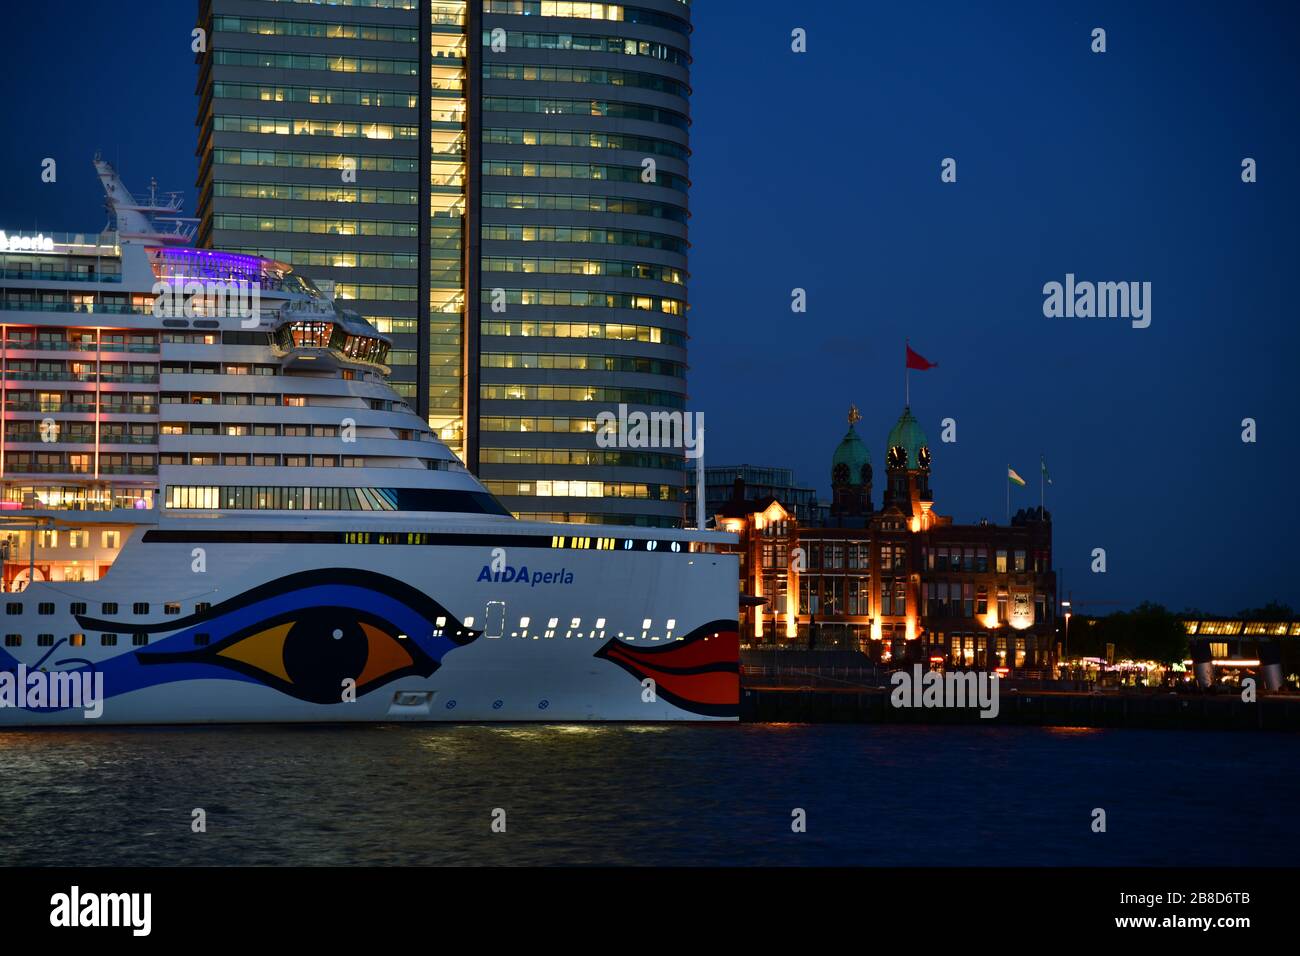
302, 634
312, 652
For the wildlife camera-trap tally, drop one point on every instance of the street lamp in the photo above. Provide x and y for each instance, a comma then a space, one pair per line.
1066, 605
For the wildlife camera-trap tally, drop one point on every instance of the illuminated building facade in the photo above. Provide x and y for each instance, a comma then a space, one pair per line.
516, 224
900, 582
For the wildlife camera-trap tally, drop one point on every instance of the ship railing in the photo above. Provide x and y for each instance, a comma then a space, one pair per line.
28, 345
76, 308
21, 376
78, 438
51, 406
40, 275
43, 468
81, 408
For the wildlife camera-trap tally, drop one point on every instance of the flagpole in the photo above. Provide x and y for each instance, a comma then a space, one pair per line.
907, 377
1008, 495
1042, 484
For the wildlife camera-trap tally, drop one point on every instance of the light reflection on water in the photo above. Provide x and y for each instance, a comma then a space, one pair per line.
644, 794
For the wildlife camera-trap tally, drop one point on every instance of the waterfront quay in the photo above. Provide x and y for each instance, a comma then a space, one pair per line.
802, 689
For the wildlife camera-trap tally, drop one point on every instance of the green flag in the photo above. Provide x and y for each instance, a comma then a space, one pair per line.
1045, 474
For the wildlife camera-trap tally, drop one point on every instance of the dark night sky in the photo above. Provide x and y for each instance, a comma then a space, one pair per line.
821, 170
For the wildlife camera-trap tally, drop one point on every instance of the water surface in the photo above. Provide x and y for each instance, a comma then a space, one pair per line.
647, 795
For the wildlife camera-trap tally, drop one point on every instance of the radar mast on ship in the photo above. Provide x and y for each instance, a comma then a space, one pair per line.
154, 221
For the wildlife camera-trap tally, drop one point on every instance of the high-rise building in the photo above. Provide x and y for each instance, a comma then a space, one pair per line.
760, 481
498, 185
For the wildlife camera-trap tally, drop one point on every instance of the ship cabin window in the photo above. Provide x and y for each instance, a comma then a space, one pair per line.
77, 607
108, 640
44, 640
171, 608
77, 640
140, 607
201, 640
139, 639
14, 607
202, 606
45, 607
13, 640
108, 607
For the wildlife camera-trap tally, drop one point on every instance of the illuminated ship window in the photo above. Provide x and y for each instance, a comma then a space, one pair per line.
523, 622
553, 622
600, 622
645, 625
171, 608
469, 621
77, 640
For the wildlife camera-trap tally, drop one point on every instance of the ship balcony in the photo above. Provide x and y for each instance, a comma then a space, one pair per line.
69, 307
41, 275
34, 439
62, 470
22, 348
89, 378
80, 408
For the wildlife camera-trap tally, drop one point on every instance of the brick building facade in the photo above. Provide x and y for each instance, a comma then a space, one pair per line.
899, 582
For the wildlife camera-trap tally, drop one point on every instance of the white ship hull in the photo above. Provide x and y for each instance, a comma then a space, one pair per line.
281, 657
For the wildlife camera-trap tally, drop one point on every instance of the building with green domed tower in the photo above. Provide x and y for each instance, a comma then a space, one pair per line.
902, 582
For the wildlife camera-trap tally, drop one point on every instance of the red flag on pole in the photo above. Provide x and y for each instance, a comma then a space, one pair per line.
919, 362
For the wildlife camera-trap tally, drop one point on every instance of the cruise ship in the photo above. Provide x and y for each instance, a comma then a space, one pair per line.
215, 509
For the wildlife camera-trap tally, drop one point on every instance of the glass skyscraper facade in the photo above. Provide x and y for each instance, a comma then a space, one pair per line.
501, 187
